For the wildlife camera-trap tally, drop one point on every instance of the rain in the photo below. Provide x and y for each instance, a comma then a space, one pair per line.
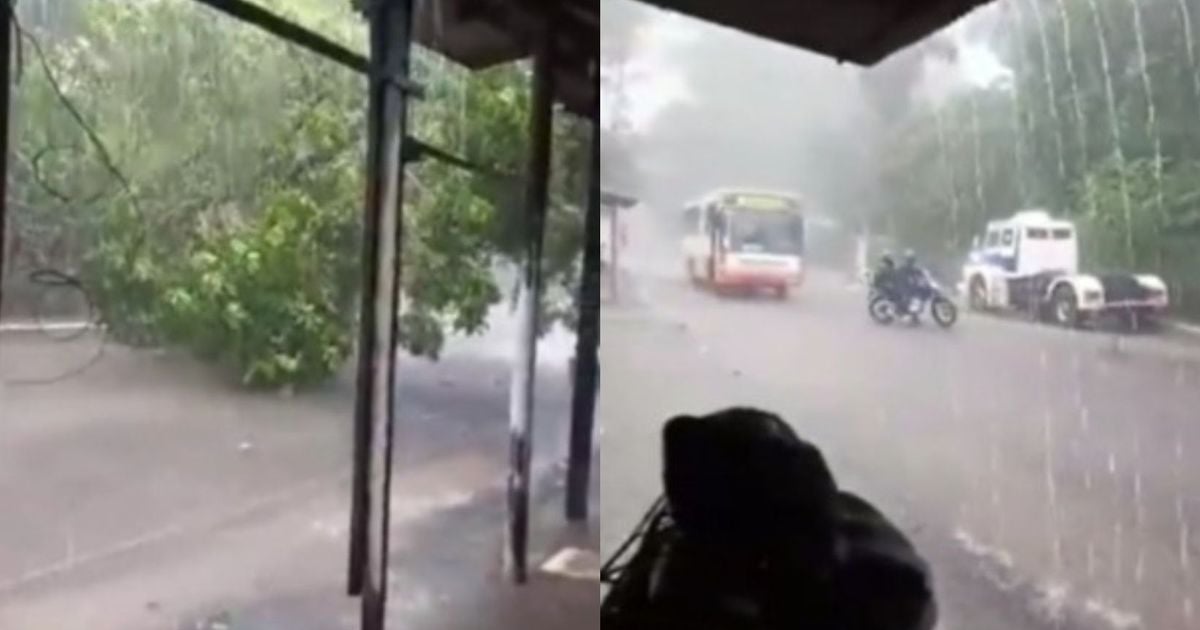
1038, 449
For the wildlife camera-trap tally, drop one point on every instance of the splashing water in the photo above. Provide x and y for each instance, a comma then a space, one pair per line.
1048, 78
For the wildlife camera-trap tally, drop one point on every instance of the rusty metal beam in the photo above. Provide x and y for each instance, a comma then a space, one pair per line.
521, 401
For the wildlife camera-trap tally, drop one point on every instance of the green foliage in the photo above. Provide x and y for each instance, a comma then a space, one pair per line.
273, 299
218, 203
1087, 126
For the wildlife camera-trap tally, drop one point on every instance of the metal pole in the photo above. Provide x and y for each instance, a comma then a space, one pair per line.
521, 400
391, 39
587, 351
6, 45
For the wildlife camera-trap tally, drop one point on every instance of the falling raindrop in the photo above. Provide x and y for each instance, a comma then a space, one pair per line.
978, 136
1114, 122
1185, 16
1018, 107
1052, 517
1048, 78
1151, 113
1076, 97
948, 169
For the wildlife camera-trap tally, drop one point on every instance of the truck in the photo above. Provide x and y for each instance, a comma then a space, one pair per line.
1029, 263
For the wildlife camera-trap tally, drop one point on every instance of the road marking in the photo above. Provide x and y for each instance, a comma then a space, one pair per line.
74, 561
28, 327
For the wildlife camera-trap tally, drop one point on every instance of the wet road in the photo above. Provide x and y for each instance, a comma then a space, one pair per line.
1049, 475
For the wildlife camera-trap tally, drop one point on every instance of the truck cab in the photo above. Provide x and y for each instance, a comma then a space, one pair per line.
1030, 262
1030, 243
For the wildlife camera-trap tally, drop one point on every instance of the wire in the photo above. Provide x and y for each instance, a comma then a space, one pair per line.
49, 279
94, 138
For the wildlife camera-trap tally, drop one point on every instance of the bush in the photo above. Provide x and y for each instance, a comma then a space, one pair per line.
275, 299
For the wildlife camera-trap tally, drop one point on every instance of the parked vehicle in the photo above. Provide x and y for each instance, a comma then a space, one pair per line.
1030, 263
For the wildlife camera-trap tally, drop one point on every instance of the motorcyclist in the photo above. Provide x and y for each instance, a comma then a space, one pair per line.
911, 280
886, 279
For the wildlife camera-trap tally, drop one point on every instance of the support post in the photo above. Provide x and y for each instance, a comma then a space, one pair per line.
521, 399
374, 417
587, 351
6, 54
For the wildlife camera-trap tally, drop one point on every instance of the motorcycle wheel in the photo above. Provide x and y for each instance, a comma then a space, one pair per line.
944, 312
882, 310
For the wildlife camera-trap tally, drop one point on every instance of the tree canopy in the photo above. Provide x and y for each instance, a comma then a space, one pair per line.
1098, 123
208, 181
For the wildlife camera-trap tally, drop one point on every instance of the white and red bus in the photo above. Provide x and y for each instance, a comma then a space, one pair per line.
745, 240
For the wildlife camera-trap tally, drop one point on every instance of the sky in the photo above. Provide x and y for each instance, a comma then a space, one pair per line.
653, 82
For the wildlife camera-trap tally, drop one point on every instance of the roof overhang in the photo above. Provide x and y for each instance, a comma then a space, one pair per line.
859, 31
483, 33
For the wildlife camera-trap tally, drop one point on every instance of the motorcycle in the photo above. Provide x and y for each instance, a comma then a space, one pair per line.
926, 295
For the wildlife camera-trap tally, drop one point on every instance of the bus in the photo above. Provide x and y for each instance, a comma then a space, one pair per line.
743, 240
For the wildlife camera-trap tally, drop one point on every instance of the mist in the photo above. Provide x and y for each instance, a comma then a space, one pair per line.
753, 113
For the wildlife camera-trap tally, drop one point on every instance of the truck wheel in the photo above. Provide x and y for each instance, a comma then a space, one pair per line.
1065, 307
978, 295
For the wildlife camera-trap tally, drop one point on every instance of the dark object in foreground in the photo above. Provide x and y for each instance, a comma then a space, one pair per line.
753, 534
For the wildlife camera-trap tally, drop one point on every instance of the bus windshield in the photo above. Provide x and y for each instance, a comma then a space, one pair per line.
765, 232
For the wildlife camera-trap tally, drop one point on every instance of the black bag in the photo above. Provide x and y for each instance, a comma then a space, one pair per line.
753, 535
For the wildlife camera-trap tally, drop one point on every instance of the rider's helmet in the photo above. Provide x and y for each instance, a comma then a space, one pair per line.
886, 261
910, 258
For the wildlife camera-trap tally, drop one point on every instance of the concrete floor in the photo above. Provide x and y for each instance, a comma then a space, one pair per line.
146, 493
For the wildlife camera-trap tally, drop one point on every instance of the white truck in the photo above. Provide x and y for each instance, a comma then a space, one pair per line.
1030, 263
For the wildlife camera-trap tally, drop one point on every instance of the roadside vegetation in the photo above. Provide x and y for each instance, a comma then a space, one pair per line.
204, 182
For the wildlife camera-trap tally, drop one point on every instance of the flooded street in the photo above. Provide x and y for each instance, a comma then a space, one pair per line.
1047, 473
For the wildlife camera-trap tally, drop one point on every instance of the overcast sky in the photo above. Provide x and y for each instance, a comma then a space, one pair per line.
653, 82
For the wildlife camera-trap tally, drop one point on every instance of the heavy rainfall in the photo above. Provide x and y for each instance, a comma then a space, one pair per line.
181, 356
1025, 403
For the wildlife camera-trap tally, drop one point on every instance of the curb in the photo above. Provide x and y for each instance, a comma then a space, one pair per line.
1183, 327
29, 326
